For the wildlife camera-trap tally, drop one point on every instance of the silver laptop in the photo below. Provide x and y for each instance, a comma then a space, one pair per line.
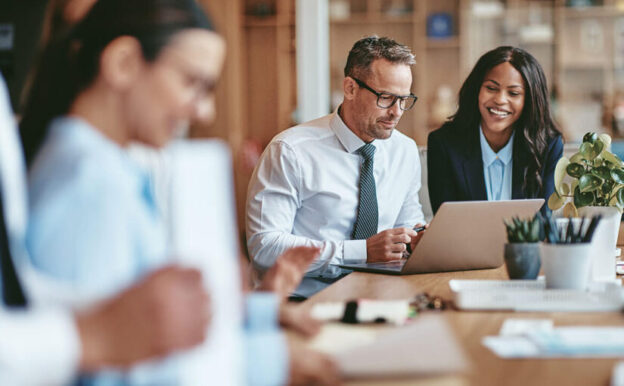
463, 235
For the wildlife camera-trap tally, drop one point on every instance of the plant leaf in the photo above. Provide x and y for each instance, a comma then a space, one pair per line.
589, 183
606, 139
614, 159
575, 170
607, 186
590, 137
565, 189
560, 171
591, 151
534, 235
569, 210
583, 198
620, 198
577, 157
618, 175
599, 146
555, 201
602, 172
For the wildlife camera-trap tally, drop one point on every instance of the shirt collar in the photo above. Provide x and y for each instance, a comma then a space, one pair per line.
347, 138
490, 156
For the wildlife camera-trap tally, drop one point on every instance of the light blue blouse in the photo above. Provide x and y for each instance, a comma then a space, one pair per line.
497, 169
95, 224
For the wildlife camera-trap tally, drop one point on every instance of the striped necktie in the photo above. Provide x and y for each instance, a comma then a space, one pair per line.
367, 212
12, 292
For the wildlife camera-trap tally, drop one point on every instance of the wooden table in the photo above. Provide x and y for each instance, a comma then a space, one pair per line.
471, 327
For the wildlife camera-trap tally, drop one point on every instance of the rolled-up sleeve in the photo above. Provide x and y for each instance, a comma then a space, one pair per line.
272, 202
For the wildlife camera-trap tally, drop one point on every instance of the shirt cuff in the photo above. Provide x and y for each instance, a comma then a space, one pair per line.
354, 251
47, 341
266, 350
261, 311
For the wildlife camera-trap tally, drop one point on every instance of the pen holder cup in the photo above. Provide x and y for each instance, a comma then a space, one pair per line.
522, 260
566, 266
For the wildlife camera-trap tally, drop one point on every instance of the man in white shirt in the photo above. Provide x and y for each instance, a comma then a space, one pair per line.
348, 182
44, 344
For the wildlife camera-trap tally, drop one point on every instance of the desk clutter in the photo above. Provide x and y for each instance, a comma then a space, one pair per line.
397, 312
532, 295
521, 338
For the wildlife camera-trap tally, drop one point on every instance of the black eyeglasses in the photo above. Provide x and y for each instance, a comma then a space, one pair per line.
385, 100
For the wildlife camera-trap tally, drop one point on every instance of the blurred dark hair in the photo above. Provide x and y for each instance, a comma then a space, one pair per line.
535, 125
370, 48
70, 61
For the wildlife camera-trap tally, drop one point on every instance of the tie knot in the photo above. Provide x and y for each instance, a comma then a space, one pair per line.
367, 151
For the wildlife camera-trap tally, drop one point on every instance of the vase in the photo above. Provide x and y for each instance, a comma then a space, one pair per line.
522, 260
604, 241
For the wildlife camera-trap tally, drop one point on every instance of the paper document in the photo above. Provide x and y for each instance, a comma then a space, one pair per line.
541, 340
425, 347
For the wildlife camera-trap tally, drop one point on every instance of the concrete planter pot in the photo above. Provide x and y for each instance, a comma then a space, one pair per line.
604, 241
567, 266
522, 260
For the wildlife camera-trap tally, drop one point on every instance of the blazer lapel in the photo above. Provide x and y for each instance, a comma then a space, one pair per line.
473, 167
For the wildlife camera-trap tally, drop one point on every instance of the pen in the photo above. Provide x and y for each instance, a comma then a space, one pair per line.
417, 229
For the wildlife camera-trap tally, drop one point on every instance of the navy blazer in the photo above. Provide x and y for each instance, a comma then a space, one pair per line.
455, 166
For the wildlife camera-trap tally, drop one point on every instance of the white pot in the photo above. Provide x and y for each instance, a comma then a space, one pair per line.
566, 266
604, 241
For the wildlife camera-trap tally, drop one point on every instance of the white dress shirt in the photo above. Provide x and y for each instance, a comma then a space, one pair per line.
490, 168
38, 345
304, 191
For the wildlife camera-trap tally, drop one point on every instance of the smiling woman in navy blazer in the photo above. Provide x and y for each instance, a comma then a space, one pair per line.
502, 142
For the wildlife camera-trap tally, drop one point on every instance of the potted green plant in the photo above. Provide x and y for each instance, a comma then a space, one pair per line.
591, 182
522, 257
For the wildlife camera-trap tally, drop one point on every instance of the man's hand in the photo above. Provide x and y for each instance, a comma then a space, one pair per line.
167, 311
416, 239
297, 318
308, 367
388, 245
286, 274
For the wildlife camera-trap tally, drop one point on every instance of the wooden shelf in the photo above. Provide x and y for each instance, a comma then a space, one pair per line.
580, 66
440, 43
593, 12
365, 18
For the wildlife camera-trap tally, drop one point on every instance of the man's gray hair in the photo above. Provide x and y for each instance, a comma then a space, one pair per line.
371, 48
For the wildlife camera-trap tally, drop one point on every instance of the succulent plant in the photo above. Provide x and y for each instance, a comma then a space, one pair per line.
530, 230
596, 177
